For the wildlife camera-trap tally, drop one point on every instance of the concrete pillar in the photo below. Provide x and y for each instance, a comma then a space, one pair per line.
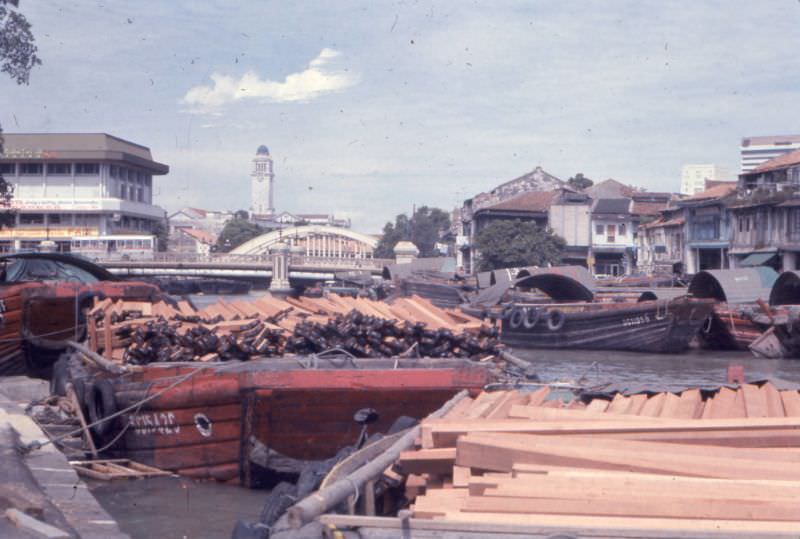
280, 269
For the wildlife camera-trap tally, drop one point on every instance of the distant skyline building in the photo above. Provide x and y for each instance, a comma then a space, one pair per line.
262, 180
757, 150
694, 176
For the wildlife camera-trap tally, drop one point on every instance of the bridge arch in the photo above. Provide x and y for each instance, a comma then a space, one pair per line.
315, 240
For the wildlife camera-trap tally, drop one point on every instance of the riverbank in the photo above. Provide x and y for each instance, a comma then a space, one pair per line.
42, 483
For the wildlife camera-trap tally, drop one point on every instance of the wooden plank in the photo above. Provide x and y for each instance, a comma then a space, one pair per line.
503, 405
654, 405
541, 413
671, 406
618, 404
636, 404
457, 411
791, 403
597, 405
755, 401
500, 453
431, 461
739, 408
461, 476
724, 404
640, 506
460, 524
773, 398
689, 405
538, 396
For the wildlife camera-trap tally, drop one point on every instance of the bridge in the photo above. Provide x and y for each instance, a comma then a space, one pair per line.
316, 253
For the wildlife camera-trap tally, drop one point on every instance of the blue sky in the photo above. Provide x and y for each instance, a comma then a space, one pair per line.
371, 107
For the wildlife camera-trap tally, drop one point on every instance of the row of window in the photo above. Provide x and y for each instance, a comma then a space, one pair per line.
129, 174
610, 230
53, 169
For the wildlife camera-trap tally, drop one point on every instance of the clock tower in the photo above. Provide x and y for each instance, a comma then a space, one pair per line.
261, 182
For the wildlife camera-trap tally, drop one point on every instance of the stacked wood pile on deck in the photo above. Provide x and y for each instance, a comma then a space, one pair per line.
142, 332
727, 463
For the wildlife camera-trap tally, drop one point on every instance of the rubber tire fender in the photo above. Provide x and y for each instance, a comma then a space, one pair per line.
555, 319
516, 318
100, 403
531, 317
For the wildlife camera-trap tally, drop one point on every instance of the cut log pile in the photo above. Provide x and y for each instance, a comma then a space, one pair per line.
142, 332
727, 463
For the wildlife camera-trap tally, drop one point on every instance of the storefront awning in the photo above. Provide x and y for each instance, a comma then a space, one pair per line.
757, 259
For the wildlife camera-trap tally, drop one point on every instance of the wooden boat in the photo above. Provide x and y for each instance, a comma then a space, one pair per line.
42, 297
210, 420
660, 326
731, 328
574, 320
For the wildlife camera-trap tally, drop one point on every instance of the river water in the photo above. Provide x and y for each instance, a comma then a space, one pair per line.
181, 508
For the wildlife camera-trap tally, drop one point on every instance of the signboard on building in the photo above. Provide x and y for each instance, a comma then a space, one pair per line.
55, 205
52, 232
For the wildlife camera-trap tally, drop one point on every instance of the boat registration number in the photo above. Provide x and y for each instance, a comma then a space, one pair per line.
154, 423
636, 320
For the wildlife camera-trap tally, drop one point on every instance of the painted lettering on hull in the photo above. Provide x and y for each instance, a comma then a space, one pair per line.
146, 424
636, 320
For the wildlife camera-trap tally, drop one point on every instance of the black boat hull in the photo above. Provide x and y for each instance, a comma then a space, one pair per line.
650, 326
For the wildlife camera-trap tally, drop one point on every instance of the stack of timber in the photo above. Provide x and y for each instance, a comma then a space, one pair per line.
142, 332
721, 464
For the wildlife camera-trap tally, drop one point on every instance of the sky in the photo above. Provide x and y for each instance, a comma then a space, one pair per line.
371, 108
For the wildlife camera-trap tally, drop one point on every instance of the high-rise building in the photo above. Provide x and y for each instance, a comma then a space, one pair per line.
693, 177
757, 150
262, 183
80, 190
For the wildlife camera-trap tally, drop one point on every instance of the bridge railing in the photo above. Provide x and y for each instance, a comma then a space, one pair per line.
234, 260
298, 261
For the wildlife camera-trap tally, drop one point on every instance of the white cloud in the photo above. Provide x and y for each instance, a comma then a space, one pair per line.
306, 85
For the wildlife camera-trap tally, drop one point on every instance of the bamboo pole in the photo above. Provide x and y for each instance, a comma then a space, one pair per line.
323, 500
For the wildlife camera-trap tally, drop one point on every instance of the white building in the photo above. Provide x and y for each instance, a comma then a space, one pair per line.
757, 150
70, 186
262, 179
693, 177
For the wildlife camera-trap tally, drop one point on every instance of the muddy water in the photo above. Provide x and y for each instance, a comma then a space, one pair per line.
177, 508
657, 371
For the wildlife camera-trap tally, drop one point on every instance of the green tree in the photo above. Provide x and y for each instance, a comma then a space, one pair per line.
514, 244
580, 182
236, 232
424, 229
161, 232
17, 58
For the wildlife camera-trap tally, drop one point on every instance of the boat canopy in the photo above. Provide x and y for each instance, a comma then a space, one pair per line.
786, 290
26, 267
565, 283
741, 285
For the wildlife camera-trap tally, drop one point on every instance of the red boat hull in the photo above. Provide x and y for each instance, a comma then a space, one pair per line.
207, 425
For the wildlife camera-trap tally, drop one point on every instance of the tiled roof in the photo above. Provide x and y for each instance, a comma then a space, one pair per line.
782, 161
647, 208
533, 201
722, 190
200, 235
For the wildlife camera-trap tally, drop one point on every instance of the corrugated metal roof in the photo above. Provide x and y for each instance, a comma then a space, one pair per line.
742, 285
